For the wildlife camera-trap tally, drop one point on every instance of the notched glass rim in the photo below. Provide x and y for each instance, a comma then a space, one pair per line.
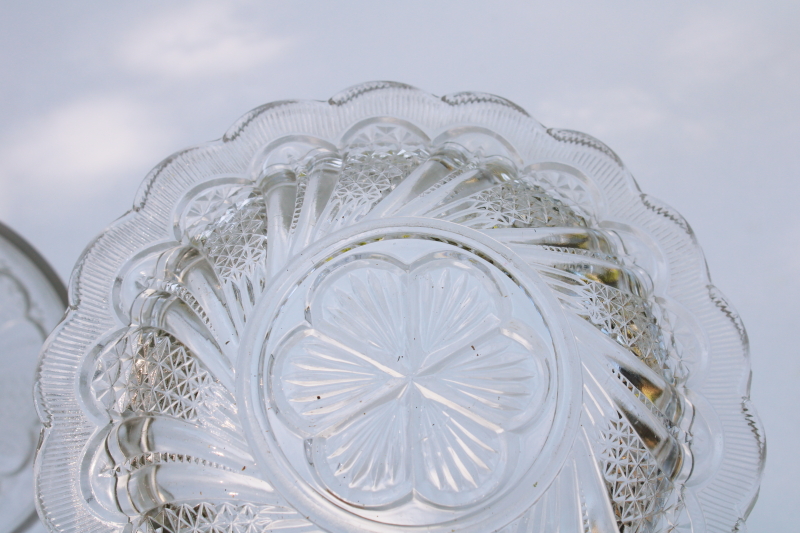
724, 386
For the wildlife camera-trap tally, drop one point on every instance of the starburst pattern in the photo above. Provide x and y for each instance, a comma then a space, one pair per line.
636, 484
209, 206
515, 204
110, 381
367, 176
223, 517
567, 188
237, 241
627, 319
387, 137
152, 372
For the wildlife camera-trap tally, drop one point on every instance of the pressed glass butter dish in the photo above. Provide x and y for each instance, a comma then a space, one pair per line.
395, 312
32, 301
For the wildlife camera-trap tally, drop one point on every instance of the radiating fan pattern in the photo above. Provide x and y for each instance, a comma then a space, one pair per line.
414, 373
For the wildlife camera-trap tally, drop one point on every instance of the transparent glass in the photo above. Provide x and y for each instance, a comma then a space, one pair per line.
32, 301
395, 312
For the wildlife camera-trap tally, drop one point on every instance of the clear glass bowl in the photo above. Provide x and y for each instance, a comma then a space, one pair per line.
32, 301
396, 312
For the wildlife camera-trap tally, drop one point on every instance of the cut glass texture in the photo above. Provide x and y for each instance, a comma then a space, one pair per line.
395, 312
32, 301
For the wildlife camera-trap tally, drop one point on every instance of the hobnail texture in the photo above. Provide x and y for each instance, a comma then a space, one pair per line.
395, 312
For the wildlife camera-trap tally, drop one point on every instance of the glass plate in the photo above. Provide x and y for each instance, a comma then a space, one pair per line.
395, 312
32, 301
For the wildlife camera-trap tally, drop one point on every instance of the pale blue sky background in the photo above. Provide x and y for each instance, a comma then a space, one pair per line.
702, 102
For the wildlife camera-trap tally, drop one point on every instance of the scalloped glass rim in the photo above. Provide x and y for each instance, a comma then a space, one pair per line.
681, 276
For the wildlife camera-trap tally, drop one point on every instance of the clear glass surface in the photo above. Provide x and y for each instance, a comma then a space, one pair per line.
32, 301
396, 312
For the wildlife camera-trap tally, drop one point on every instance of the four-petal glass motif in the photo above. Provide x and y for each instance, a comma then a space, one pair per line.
410, 377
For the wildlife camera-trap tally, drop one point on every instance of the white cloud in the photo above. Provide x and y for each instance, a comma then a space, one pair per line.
81, 144
604, 112
714, 47
203, 40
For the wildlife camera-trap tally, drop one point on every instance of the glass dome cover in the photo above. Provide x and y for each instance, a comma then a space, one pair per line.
396, 312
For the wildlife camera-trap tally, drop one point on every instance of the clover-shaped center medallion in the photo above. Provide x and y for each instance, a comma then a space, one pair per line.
407, 379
